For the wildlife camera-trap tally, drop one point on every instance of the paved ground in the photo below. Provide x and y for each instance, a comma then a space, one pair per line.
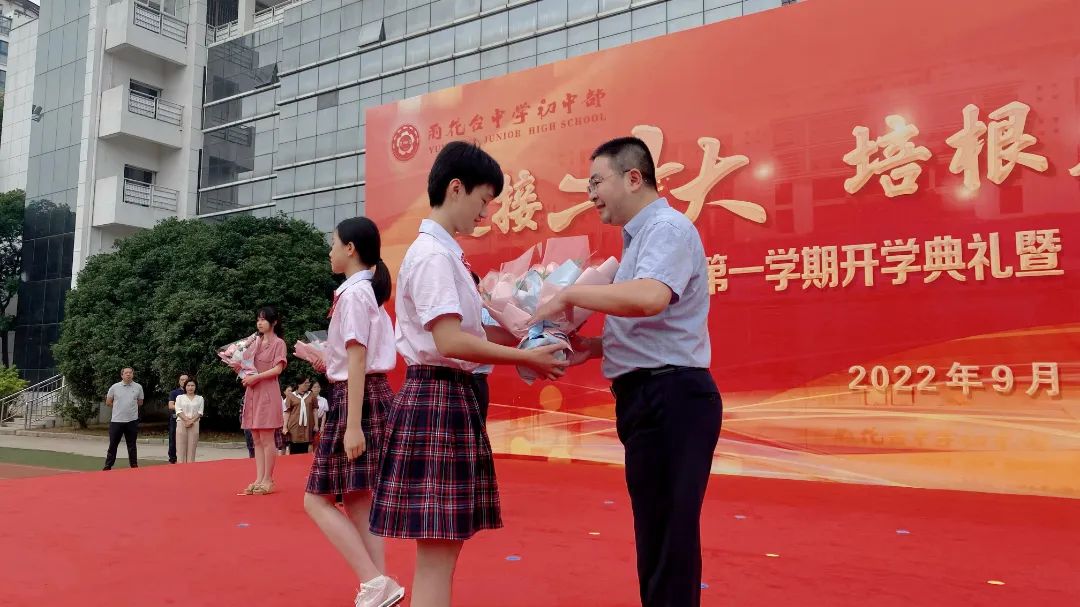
96, 447
18, 471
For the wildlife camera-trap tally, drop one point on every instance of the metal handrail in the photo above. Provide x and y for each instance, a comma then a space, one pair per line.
160, 23
149, 195
43, 406
155, 107
17, 404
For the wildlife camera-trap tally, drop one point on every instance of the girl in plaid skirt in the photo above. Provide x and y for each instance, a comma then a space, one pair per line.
359, 353
437, 482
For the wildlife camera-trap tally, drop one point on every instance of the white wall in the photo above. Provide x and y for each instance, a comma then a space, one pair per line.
18, 101
176, 169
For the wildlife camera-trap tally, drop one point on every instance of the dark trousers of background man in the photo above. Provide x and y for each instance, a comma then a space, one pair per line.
669, 421
483, 393
172, 437
130, 432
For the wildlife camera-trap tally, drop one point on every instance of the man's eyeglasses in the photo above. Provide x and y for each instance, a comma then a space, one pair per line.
596, 181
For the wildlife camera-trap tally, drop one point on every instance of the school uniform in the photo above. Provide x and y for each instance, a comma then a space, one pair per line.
354, 317
437, 477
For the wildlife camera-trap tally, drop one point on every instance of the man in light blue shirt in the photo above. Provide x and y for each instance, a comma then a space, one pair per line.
656, 352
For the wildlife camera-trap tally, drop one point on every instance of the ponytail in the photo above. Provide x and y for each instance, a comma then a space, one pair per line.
363, 234
380, 283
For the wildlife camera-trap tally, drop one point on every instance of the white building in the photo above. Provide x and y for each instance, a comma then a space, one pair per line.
18, 49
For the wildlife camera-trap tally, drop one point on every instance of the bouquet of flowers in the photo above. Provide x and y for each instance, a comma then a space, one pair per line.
313, 350
514, 292
240, 355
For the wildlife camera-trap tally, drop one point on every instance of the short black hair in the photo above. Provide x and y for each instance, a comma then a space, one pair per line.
466, 162
475, 277
628, 153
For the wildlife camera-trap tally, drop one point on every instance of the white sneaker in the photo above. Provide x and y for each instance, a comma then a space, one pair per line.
380, 592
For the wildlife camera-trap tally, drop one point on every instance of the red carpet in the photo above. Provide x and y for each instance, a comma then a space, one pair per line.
178, 535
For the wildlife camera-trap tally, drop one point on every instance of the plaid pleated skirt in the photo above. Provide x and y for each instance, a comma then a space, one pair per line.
332, 473
437, 478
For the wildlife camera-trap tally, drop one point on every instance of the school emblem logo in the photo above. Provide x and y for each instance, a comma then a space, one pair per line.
405, 142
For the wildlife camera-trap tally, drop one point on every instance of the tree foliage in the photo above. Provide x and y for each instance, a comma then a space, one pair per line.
169, 297
12, 210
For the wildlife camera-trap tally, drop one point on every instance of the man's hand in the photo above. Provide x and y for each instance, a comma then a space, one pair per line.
585, 349
555, 309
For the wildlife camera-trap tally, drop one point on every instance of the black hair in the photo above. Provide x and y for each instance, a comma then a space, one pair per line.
628, 153
363, 234
467, 163
191, 380
475, 277
270, 315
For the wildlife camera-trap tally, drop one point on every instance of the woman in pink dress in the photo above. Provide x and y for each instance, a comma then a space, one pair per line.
262, 401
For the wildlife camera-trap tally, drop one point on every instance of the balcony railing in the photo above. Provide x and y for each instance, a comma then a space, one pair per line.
274, 14
161, 23
153, 107
222, 32
268, 16
149, 195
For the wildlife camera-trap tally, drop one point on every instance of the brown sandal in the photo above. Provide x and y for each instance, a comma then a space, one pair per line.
266, 489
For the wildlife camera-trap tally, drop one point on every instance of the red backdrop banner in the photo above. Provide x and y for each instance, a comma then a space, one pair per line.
888, 196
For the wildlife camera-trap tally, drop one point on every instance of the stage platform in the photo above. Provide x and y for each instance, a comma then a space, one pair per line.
179, 535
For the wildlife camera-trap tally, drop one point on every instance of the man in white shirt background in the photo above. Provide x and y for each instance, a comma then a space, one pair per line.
124, 397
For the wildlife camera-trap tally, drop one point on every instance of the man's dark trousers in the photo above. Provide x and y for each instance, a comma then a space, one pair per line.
669, 422
130, 432
172, 437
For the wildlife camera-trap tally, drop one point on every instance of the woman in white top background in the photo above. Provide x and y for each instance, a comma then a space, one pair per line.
189, 410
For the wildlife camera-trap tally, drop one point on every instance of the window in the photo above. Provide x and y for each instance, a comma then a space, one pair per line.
3, 52
3, 80
136, 174
327, 100
372, 33
145, 89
